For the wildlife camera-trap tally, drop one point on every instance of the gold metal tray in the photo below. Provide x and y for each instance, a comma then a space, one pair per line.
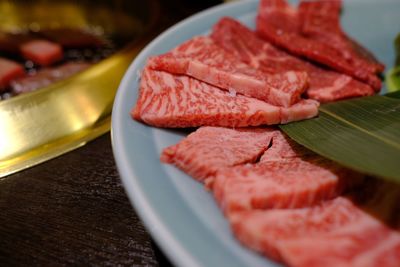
44, 124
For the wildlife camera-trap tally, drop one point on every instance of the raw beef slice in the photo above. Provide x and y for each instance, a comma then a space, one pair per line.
287, 176
288, 183
209, 149
324, 85
202, 59
9, 70
320, 21
167, 100
335, 233
279, 23
42, 52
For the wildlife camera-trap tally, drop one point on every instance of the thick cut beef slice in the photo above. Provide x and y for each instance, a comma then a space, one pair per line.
202, 59
9, 70
287, 176
321, 22
178, 101
287, 183
210, 149
357, 246
335, 233
324, 85
264, 230
330, 86
42, 52
279, 23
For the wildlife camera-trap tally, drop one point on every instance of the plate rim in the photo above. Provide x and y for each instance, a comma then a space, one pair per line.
173, 248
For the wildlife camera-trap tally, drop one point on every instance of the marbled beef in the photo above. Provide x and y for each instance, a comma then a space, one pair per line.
178, 101
324, 85
280, 23
202, 59
210, 149
334, 233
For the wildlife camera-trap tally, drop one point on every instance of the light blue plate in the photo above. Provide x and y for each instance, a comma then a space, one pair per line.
181, 216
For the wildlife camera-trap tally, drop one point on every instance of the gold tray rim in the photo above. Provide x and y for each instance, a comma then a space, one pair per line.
54, 147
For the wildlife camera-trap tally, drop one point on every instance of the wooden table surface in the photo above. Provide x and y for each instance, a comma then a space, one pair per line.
73, 210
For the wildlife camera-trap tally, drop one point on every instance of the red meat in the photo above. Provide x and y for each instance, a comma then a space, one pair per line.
324, 85
287, 176
42, 52
9, 70
335, 233
279, 23
211, 149
321, 22
290, 183
202, 59
167, 100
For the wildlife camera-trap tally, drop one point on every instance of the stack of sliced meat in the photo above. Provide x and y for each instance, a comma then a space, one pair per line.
235, 78
324, 85
200, 83
168, 100
203, 59
280, 198
285, 201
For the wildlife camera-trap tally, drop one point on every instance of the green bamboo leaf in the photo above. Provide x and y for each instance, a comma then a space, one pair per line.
393, 79
393, 76
362, 134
